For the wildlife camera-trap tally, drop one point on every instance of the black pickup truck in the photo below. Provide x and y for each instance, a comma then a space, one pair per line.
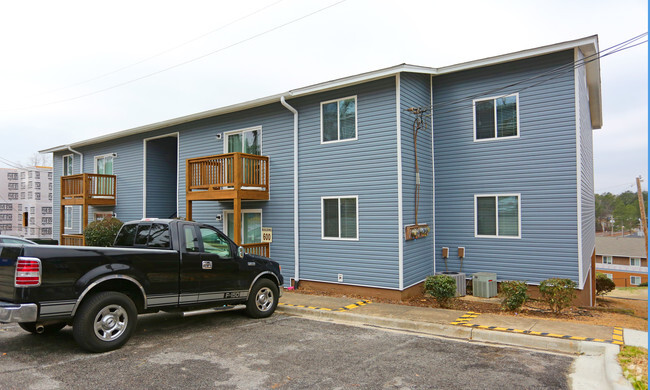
155, 264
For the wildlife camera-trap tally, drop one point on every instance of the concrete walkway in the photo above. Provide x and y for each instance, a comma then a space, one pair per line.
596, 345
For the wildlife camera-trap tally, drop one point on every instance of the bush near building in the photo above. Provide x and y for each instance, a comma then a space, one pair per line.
102, 233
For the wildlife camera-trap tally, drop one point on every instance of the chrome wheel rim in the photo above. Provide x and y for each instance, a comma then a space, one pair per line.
110, 323
264, 299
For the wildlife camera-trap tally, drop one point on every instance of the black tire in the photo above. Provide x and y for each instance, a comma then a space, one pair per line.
104, 322
263, 299
47, 329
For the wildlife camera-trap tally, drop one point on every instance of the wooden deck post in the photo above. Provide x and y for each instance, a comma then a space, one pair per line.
237, 222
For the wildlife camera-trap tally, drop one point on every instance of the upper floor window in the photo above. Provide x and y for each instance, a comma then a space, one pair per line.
244, 141
13, 186
635, 261
67, 164
340, 216
607, 260
49, 175
37, 175
12, 175
497, 216
13, 196
6, 206
496, 118
339, 120
104, 165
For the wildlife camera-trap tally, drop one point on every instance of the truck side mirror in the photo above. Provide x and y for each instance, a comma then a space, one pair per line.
240, 252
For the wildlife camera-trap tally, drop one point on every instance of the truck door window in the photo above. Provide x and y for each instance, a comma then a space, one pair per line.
214, 243
141, 235
191, 242
159, 236
126, 235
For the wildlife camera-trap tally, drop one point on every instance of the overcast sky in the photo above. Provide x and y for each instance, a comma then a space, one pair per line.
73, 70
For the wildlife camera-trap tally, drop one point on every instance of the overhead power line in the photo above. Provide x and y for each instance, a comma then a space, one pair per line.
181, 63
545, 76
101, 76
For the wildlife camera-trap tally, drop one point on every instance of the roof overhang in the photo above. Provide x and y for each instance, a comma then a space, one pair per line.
588, 46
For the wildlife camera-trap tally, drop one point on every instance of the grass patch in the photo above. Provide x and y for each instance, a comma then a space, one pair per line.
634, 361
636, 288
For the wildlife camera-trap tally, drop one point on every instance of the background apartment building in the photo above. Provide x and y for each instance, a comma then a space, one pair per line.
26, 190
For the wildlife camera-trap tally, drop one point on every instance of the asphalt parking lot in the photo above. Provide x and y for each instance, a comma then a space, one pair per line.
230, 351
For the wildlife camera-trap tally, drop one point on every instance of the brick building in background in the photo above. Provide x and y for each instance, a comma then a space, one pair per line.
622, 259
26, 190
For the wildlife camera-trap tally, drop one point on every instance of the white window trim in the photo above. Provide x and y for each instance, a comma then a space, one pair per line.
635, 284
338, 122
241, 131
71, 156
476, 196
322, 217
113, 155
635, 258
230, 213
106, 214
611, 260
68, 211
610, 276
493, 98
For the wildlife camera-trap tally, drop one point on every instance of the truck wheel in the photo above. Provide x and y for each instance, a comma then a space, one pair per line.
263, 299
47, 329
104, 322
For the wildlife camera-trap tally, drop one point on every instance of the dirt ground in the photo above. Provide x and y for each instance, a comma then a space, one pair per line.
610, 311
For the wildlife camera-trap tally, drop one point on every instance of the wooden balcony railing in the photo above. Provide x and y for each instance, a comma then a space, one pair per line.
88, 188
227, 176
260, 249
73, 239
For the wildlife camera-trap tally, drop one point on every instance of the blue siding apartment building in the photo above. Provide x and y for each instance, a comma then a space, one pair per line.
504, 169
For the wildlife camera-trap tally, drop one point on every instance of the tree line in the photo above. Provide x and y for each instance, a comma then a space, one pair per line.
619, 212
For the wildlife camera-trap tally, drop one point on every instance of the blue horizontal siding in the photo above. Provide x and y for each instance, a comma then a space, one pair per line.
540, 165
367, 168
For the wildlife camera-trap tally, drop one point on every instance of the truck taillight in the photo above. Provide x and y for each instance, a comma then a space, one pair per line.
28, 272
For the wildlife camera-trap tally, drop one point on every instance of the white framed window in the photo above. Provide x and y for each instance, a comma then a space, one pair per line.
497, 215
68, 217
607, 260
67, 164
104, 164
635, 261
247, 140
635, 280
496, 117
340, 218
610, 276
102, 215
338, 120
251, 225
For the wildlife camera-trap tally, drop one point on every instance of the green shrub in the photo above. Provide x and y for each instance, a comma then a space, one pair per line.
644, 284
558, 293
604, 284
515, 294
442, 288
102, 233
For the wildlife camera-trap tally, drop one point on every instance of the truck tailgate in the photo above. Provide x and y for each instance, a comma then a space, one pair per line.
8, 255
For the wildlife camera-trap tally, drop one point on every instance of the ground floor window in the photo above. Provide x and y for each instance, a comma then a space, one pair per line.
100, 216
251, 225
610, 276
339, 218
635, 280
497, 215
68, 217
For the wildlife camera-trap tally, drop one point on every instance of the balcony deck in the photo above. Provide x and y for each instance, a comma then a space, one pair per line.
88, 189
228, 176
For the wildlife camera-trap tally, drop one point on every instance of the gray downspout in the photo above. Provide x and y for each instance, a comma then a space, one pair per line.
296, 235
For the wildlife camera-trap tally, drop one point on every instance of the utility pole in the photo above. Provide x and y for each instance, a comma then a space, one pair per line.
642, 210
